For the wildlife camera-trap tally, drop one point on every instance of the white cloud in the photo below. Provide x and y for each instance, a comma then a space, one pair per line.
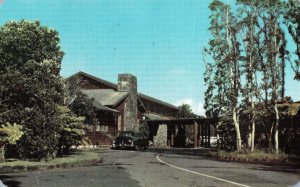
197, 107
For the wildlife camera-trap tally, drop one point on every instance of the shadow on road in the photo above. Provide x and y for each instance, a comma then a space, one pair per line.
10, 181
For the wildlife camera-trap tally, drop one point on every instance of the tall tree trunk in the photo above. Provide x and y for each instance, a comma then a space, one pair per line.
237, 129
252, 81
249, 136
275, 89
253, 127
270, 144
276, 128
234, 88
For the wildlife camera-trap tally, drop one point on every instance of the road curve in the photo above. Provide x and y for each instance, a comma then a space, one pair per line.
201, 174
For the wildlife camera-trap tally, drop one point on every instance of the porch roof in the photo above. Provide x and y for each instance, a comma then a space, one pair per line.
101, 107
182, 121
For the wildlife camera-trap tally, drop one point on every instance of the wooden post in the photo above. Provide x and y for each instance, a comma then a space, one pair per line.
195, 134
208, 134
200, 135
205, 135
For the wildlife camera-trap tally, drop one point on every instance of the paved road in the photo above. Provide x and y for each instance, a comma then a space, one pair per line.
153, 169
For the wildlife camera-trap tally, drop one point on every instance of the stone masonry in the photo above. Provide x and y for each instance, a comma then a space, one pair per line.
160, 140
128, 83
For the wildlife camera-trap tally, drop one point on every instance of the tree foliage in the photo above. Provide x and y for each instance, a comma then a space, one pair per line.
31, 88
22, 41
83, 106
72, 132
185, 111
292, 20
9, 134
248, 52
223, 76
78, 102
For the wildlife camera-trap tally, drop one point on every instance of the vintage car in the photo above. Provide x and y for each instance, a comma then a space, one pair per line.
131, 140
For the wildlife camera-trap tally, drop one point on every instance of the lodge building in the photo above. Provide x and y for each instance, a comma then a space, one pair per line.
119, 107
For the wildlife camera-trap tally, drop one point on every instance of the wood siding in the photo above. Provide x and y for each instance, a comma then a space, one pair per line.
157, 108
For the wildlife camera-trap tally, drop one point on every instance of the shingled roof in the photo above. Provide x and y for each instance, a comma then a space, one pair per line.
110, 84
143, 96
152, 116
107, 97
114, 88
99, 106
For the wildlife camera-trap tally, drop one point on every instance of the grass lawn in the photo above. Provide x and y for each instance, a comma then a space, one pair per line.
77, 158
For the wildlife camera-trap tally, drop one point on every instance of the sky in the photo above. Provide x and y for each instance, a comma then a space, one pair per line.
158, 41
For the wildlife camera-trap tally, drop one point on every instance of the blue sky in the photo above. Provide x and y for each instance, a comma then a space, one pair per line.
159, 41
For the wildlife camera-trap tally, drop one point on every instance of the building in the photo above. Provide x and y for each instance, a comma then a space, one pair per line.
120, 107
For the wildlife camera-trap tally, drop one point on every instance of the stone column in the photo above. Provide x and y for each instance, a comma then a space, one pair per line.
128, 83
160, 140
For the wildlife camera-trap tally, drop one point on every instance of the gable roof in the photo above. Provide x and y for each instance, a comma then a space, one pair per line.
110, 84
114, 87
143, 96
107, 97
152, 116
99, 106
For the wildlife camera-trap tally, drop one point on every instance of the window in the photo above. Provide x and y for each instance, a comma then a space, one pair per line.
104, 128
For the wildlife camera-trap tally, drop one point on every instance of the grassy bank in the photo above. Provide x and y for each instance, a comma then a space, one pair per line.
258, 157
76, 159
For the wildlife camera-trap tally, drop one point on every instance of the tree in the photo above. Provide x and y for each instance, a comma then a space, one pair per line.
77, 101
224, 49
246, 45
22, 41
292, 20
9, 134
250, 59
275, 43
83, 106
31, 88
72, 133
185, 111
270, 54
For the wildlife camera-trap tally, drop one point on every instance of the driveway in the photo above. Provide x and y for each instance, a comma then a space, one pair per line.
162, 169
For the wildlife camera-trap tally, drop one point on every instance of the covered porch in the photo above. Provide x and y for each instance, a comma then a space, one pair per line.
166, 132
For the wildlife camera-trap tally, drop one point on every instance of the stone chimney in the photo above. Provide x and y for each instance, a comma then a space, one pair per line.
128, 83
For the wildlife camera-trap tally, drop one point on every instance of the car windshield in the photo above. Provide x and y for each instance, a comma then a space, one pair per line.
126, 133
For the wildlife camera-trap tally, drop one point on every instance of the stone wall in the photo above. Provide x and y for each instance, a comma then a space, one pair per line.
161, 138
